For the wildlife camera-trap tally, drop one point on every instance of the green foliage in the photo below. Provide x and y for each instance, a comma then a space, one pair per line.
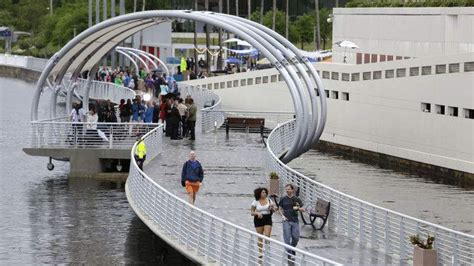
279, 21
412, 3
305, 28
416, 240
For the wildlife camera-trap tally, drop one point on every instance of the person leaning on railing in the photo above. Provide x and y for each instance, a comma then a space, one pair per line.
91, 126
140, 152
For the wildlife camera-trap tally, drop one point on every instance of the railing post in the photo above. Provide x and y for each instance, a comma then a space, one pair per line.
373, 231
235, 253
361, 224
454, 257
349, 221
387, 237
402, 239
111, 137
251, 253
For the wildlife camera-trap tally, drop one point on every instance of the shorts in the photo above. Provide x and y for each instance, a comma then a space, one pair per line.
192, 187
265, 220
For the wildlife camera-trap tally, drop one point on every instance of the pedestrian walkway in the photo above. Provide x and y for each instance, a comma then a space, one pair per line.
234, 167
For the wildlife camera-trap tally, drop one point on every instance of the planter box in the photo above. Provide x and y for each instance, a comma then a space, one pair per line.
424, 257
274, 187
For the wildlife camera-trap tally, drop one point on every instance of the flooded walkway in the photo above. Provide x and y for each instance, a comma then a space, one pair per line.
234, 167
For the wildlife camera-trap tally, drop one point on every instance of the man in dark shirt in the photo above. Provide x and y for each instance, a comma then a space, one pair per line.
290, 205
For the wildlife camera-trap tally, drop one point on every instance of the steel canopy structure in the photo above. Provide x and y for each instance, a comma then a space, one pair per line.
85, 51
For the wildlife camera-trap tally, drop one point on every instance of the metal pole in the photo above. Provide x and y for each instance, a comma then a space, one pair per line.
286, 19
89, 24
317, 29
237, 8
112, 53
121, 57
262, 5
249, 8
195, 40
219, 55
104, 17
51, 7
97, 11
208, 41
274, 14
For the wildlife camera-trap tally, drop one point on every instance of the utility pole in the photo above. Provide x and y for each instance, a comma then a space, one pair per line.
337, 3
113, 55
97, 11
51, 7
317, 30
274, 14
122, 12
262, 4
286, 19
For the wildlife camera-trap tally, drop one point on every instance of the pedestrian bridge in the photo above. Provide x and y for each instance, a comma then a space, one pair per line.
219, 229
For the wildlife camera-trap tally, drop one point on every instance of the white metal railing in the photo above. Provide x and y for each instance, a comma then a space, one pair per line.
207, 238
58, 133
212, 115
105, 91
33, 63
375, 226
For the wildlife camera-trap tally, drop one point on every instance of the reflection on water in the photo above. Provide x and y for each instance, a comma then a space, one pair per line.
46, 218
442, 204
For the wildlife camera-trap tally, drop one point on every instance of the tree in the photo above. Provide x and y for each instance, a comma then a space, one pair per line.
304, 27
279, 21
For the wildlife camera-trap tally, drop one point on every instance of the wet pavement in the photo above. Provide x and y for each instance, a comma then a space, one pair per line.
234, 167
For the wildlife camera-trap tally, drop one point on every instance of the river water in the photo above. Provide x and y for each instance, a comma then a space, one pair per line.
46, 218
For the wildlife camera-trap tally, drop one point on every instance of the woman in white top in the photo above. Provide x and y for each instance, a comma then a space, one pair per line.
261, 209
91, 126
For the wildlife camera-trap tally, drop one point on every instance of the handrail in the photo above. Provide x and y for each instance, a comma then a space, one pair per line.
457, 242
223, 254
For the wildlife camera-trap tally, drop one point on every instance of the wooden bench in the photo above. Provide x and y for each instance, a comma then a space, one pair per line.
320, 210
246, 123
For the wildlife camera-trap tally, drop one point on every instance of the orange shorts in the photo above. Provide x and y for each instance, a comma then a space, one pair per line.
192, 187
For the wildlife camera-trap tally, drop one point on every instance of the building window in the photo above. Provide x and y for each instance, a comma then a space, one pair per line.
265, 79
243, 82
373, 58
335, 95
325, 74
377, 74
366, 75
345, 76
389, 73
258, 80
399, 58
440, 69
401, 72
414, 71
366, 58
327, 93
426, 107
236, 83
382, 58
426, 70
452, 111
249, 81
468, 113
335, 75
359, 58
389, 57
222, 86
203, 86
355, 77
468, 66
454, 68
216, 86
439, 109
317, 92
209, 86
273, 78
345, 96
280, 77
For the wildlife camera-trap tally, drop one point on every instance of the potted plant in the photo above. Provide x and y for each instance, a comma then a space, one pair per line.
423, 252
274, 183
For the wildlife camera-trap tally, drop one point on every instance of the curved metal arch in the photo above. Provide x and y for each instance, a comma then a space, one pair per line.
129, 58
312, 71
137, 57
273, 54
148, 55
149, 59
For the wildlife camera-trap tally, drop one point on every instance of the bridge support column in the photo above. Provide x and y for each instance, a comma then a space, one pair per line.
85, 164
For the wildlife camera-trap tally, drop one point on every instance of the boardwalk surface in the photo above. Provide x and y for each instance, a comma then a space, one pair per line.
234, 167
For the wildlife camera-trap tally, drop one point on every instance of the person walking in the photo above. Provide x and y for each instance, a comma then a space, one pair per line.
262, 209
192, 111
290, 205
140, 152
192, 176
